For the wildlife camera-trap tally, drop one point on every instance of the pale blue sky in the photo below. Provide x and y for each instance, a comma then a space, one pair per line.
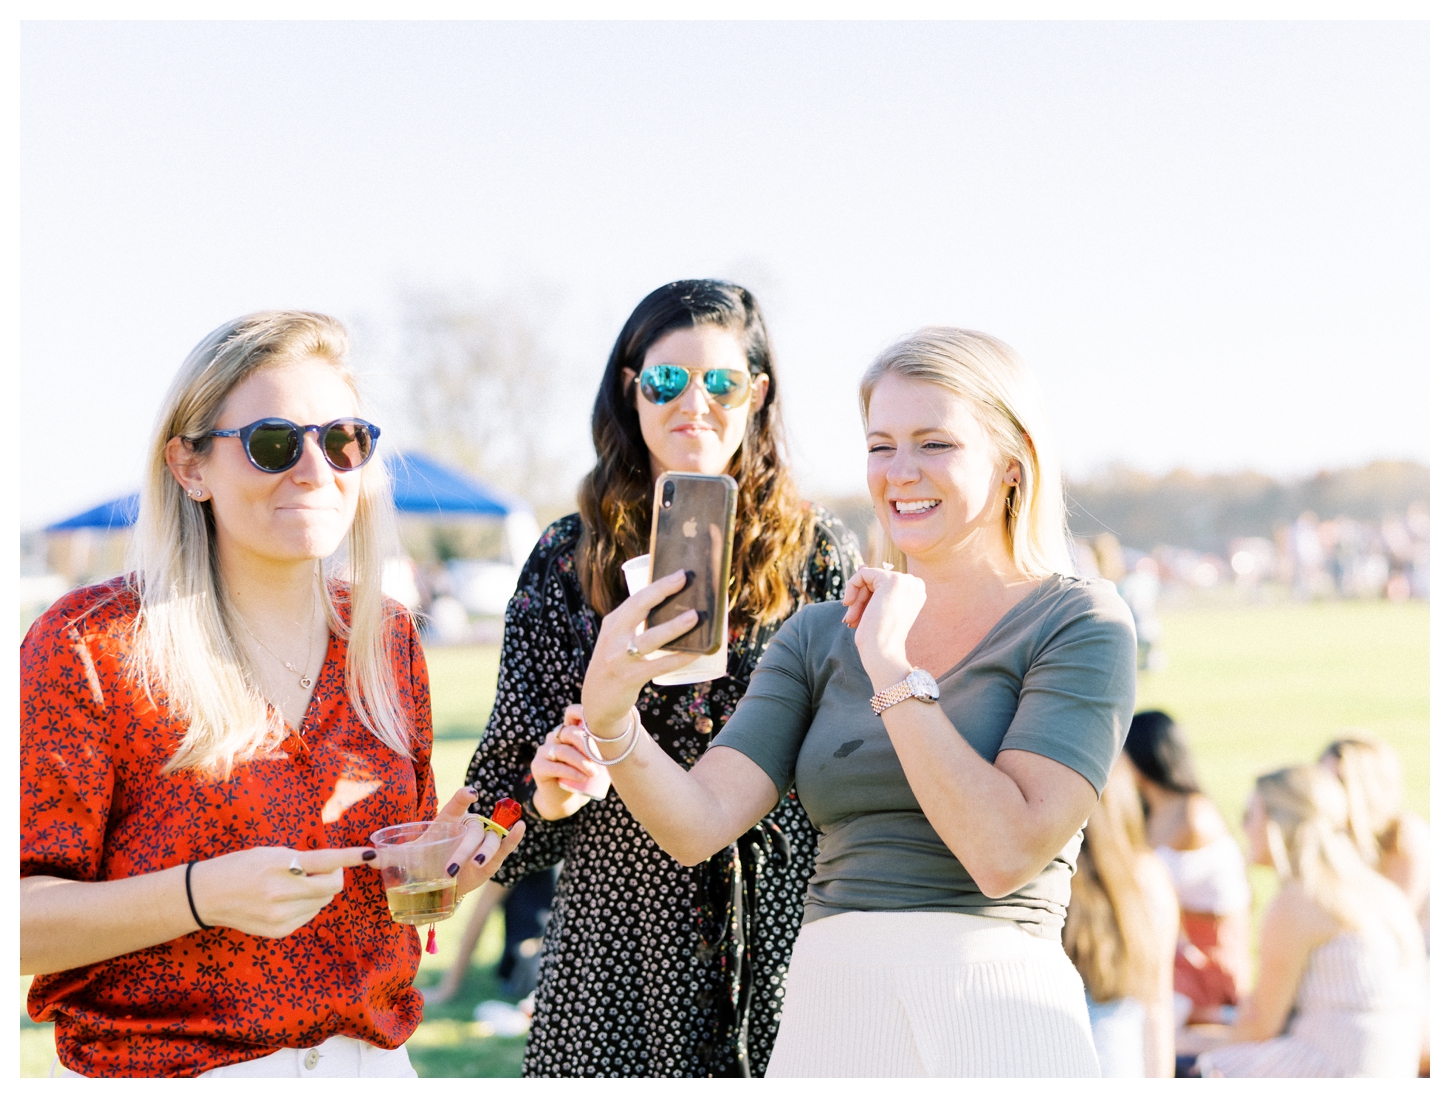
1211, 240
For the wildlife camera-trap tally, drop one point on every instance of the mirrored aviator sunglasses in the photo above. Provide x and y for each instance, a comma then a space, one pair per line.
663, 383
275, 445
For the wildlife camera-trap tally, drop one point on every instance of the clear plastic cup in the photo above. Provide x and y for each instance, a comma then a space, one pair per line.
413, 859
636, 575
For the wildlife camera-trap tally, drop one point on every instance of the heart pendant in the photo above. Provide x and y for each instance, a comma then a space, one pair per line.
306, 683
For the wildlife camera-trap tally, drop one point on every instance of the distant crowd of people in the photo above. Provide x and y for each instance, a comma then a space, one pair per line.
1159, 924
1353, 559
1311, 558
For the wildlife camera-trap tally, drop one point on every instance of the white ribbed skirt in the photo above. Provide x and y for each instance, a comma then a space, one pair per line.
892, 994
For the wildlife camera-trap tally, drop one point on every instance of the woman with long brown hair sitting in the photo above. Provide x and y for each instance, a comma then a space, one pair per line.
1190, 835
1121, 933
651, 968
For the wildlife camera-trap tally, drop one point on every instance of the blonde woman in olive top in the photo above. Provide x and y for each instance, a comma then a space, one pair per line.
950, 822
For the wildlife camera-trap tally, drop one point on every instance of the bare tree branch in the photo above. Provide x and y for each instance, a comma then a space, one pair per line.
481, 385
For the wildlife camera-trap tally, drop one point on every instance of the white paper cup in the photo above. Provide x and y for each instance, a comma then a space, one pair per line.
636, 575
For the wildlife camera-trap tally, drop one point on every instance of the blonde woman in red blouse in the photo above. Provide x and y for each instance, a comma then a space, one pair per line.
207, 742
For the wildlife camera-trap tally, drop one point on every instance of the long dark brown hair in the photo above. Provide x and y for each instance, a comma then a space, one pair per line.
1159, 751
1109, 932
772, 526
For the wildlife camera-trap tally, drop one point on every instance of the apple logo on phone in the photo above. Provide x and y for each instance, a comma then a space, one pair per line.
690, 528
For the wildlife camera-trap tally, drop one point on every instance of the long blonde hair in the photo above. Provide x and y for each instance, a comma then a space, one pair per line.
186, 647
1109, 933
994, 379
1374, 793
1306, 828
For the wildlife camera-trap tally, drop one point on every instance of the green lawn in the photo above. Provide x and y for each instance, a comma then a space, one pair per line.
448, 1044
1259, 687
1256, 687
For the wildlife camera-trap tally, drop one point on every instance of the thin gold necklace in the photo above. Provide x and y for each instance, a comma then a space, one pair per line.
304, 681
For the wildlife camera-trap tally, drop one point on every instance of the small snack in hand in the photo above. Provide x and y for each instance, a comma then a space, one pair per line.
506, 813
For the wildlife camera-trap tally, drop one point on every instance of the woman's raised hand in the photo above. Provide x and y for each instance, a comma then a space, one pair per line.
257, 892
882, 606
561, 771
624, 661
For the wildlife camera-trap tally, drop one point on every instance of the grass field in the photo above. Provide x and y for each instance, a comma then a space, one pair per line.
1256, 687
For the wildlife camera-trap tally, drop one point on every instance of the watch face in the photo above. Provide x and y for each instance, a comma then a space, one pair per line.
922, 685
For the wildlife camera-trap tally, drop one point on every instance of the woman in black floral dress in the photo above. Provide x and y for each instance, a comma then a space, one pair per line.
651, 968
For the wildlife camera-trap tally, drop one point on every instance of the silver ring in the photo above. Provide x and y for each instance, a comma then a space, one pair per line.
294, 867
632, 652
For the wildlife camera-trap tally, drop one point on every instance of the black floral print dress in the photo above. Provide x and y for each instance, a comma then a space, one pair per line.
649, 968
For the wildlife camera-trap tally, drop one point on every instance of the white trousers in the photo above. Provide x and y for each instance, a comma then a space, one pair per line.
892, 994
335, 1058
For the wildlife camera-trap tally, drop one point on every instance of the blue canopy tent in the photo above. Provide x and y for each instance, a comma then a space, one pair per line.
423, 486
117, 514
420, 486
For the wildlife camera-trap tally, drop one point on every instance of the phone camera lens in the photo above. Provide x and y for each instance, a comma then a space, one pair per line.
667, 495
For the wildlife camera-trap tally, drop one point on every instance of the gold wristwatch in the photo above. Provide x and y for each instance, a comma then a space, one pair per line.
919, 685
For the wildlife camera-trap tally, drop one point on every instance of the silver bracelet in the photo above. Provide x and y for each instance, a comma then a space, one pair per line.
612, 739
591, 748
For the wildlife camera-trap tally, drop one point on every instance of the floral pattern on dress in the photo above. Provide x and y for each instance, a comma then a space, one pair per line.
649, 967
95, 806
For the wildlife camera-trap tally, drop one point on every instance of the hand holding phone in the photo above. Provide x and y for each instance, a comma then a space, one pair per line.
694, 528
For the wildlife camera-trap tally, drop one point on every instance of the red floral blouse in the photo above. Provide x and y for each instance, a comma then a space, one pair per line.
95, 805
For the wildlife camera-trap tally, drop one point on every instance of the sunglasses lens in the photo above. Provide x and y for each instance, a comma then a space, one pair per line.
728, 387
662, 384
273, 446
348, 444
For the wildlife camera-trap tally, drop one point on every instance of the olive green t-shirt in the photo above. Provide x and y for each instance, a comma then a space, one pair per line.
1055, 676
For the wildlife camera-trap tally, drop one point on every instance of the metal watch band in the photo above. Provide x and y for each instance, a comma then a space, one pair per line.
885, 699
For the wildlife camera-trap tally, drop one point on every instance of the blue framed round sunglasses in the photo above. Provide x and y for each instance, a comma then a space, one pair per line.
275, 445
663, 383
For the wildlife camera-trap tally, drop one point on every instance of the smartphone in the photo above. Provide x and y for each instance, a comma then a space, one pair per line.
694, 528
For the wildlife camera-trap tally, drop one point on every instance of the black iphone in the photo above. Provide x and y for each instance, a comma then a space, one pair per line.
694, 529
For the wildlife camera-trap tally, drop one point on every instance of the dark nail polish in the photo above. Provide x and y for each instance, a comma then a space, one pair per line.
369, 855
452, 869
480, 859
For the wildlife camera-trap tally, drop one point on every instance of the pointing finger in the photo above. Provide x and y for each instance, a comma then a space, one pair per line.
315, 862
